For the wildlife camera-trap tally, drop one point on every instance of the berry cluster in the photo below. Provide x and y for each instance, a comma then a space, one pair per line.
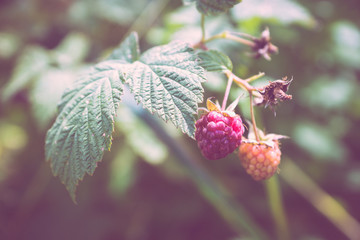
219, 133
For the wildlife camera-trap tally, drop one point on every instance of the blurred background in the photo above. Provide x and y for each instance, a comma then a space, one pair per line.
144, 189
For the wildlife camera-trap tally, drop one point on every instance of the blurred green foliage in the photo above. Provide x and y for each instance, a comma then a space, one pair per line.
140, 191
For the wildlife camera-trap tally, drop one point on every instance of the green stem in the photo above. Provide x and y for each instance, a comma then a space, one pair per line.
227, 35
253, 116
240, 40
202, 28
241, 82
223, 35
276, 206
255, 77
227, 91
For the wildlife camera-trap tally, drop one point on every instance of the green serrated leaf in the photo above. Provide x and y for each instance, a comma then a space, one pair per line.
128, 51
29, 65
83, 128
167, 81
215, 61
214, 7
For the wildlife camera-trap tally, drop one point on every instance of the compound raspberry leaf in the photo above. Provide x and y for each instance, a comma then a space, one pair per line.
215, 61
167, 81
83, 128
213, 7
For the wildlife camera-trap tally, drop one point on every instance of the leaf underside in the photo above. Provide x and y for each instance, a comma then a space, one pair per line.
166, 80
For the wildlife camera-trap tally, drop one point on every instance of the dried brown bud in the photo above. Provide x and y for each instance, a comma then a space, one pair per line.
275, 91
263, 46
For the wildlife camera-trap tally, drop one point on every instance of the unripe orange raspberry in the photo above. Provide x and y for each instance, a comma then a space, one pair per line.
259, 159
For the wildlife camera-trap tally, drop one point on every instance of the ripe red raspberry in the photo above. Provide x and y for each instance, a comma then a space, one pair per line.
260, 160
218, 134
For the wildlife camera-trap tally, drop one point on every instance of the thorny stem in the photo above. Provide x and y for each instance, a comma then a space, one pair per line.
227, 91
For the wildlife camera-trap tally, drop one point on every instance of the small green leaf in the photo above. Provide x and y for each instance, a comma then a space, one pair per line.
167, 80
215, 61
30, 64
128, 51
213, 7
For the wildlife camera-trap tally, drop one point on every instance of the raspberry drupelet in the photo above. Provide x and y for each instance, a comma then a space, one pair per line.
260, 160
218, 134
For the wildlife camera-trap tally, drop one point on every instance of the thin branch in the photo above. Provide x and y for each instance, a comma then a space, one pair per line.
202, 28
253, 117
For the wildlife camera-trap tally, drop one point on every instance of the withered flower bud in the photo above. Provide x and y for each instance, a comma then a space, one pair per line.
263, 46
275, 91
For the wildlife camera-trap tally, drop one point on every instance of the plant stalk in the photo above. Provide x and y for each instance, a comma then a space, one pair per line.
255, 77
253, 117
202, 28
223, 35
277, 210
